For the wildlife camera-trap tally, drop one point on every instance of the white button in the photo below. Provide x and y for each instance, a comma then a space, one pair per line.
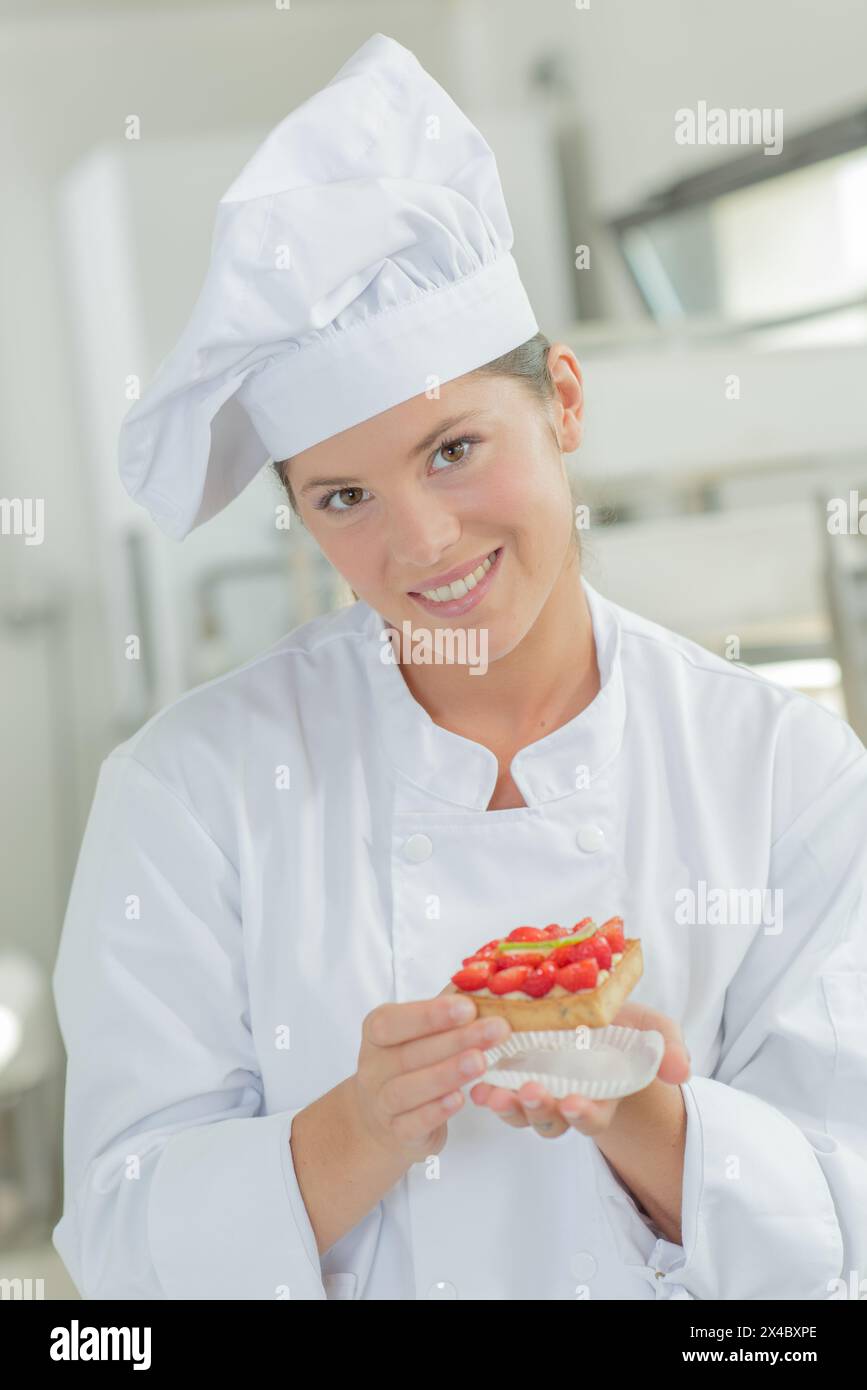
442, 1290
591, 838
583, 1266
418, 848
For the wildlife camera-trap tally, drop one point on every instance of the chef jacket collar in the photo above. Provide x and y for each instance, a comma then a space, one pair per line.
460, 772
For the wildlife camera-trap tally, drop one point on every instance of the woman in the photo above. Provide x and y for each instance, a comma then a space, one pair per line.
268, 1071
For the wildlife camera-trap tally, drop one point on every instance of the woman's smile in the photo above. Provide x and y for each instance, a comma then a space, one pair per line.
467, 591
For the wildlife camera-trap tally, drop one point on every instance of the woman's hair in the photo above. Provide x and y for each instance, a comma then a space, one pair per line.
527, 363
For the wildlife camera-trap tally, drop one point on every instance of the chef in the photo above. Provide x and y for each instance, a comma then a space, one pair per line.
268, 1093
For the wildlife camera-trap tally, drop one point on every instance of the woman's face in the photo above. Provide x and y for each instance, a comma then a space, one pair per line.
423, 493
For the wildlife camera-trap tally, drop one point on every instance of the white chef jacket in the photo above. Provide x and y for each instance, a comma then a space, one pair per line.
286, 847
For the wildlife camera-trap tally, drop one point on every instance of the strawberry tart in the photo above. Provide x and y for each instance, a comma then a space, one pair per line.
551, 977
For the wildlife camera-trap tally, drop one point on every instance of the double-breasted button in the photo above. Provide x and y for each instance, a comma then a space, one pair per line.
590, 838
418, 848
443, 1289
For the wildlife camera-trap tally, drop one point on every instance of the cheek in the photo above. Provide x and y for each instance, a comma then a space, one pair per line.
532, 493
333, 544
352, 550
512, 490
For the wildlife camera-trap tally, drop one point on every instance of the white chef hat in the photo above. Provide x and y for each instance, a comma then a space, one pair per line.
361, 254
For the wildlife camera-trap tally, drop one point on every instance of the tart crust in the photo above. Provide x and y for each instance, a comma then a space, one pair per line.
589, 1008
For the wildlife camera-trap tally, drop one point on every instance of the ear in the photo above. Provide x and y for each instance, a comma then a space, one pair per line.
565, 372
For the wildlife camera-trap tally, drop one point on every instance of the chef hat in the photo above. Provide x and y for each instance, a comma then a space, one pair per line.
362, 255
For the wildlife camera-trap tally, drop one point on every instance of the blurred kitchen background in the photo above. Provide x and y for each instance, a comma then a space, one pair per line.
721, 323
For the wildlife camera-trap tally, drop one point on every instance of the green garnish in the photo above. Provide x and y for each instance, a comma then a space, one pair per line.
549, 943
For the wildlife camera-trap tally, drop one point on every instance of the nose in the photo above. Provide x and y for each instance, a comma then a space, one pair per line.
421, 532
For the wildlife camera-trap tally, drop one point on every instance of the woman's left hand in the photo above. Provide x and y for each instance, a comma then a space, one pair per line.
534, 1105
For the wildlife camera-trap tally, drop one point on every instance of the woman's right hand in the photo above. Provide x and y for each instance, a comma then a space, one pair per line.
414, 1059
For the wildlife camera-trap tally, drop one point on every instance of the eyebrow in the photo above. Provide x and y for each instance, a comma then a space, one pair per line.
429, 439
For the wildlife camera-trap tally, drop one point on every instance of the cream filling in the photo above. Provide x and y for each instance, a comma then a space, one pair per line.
459, 587
556, 993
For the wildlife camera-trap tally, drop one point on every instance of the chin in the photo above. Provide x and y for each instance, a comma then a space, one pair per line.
504, 637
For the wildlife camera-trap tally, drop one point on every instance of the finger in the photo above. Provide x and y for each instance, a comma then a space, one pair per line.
588, 1116
426, 1118
675, 1065
634, 1015
424, 1052
503, 1103
408, 1090
480, 1092
541, 1110
390, 1024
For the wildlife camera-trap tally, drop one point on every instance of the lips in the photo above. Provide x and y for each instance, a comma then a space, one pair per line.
471, 595
453, 576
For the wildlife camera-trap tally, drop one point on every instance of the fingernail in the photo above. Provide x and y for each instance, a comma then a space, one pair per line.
471, 1064
462, 1011
496, 1030
532, 1104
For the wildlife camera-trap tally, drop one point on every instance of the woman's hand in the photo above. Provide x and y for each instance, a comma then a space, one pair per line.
413, 1061
534, 1105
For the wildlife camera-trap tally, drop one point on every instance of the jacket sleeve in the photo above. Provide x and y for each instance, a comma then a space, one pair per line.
176, 1185
775, 1166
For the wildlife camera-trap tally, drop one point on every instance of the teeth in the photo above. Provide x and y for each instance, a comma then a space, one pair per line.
462, 586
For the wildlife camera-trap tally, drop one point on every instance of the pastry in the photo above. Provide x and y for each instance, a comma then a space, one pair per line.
551, 977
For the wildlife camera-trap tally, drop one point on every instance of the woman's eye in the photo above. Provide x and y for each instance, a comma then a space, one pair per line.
324, 504
454, 451
450, 446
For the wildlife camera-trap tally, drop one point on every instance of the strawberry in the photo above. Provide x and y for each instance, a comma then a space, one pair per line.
510, 958
562, 955
483, 953
596, 948
581, 974
554, 930
488, 949
540, 980
612, 930
474, 976
567, 955
601, 948
506, 980
526, 934
579, 926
